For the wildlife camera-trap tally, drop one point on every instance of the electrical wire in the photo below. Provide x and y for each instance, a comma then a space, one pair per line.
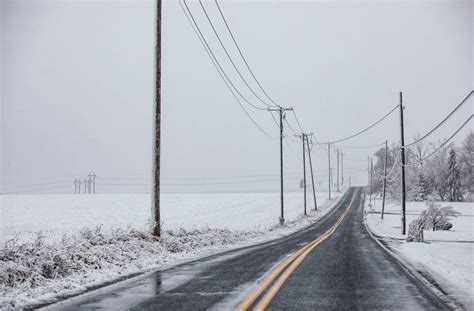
442, 121
297, 121
241, 54
219, 68
291, 173
215, 58
203, 183
443, 144
394, 177
355, 160
38, 185
37, 189
229, 57
393, 166
360, 147
291, 128
364, 130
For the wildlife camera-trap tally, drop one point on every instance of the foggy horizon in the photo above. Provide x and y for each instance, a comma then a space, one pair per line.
77, 89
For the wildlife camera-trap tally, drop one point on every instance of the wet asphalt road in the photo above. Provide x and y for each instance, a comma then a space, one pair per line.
347, 271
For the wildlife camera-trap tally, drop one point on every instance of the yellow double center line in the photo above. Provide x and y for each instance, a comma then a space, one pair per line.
293, 262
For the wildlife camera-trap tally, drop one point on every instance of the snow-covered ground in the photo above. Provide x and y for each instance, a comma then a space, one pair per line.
448, 256
67, 259
56, 215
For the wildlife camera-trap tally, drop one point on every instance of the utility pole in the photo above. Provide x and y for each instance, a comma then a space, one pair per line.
93, 182
332, 176
372, 178
86, 187
329, 170
311, 169
342, 168
402, 150
92, 177
384, 179
89, 183
303, 137
156, 230
281, 110
337, 178
369, 182
75, 185
350, 180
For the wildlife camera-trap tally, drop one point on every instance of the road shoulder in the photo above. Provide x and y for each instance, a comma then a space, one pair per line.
413, 268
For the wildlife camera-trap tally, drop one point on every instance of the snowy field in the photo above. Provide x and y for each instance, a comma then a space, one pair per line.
68, 259
448, 256
55, 215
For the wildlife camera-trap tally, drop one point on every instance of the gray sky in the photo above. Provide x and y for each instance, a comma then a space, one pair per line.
77, 87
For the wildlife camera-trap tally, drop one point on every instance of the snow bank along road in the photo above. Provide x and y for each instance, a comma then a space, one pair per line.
333, 264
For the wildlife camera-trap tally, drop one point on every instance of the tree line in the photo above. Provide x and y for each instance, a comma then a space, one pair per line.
447, 175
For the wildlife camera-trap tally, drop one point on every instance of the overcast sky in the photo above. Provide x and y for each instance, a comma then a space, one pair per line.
77, 87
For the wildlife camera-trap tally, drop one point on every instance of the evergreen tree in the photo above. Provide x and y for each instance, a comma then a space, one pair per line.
453, 181
420, 191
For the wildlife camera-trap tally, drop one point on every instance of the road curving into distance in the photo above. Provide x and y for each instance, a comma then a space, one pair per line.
332, 264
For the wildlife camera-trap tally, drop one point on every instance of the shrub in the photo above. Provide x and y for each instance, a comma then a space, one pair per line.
415, 230
437, 217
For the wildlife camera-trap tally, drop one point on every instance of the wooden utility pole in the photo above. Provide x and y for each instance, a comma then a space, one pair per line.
86, 185
92, 177
337, 170
342, 168
372, 178
93, 182
329, 170
369, 184
350, 181
384, 179
303, 137
332, 177
281, 110
311, 169
402, 150
156, 230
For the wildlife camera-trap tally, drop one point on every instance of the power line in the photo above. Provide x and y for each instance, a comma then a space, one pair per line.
228, 56
291, 128
37, 185
442, 121
393, 166
360, 147
215, 58
297, 121
218, 66
276, 123
201, 183
38, 189
241, 54
206, 178
355, 160
229, 177
444, 143
364, 130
